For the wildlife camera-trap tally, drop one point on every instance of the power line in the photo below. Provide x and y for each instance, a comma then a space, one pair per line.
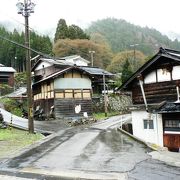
25, 47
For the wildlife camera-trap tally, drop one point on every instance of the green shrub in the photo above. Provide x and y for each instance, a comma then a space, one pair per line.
5, 89
13, 106
20, 79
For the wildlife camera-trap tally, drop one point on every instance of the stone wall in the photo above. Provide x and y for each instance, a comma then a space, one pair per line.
117, 103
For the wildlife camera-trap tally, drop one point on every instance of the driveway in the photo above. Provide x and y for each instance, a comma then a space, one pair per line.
96, 152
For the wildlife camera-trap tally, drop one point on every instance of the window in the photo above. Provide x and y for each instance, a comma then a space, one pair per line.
172, 124
77, 94
60, 94
68, 94
148, 124
86, 94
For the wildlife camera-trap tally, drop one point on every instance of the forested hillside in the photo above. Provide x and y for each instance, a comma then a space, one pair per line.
121, 34
13, 55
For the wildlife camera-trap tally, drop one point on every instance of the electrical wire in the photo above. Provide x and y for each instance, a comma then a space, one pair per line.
25, 47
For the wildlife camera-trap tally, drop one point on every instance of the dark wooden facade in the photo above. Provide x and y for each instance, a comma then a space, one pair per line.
158, 90
7, 78
66, 107
155, 92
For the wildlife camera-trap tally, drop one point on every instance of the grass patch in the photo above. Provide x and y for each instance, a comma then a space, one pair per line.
100, 116
11, 141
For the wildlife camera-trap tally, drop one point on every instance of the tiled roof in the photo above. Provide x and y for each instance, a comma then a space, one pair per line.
96, 71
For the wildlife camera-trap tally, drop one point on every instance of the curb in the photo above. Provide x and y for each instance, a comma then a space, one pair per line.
157, 152
138, 139
26, 129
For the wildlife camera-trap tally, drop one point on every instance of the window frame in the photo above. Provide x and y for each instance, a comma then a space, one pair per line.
148, 124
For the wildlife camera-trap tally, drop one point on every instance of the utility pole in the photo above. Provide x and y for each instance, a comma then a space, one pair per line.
134, 45
92, 57
26, 8
105, 97
134, 56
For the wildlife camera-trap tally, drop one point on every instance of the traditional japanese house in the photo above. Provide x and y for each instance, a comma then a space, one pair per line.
68, 91
7, 75
156, 99
67, 87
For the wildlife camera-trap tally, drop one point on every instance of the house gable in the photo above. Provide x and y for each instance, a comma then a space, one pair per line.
156, 99
159, 75
43, 65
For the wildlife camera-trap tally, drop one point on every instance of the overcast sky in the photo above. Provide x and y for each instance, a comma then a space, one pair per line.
162, 15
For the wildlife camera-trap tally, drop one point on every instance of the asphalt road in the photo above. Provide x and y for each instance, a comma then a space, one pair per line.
97, 152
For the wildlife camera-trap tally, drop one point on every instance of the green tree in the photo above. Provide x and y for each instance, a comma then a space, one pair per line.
61, 30
75, 32
15, 56
119, 60
40, 43
126, 71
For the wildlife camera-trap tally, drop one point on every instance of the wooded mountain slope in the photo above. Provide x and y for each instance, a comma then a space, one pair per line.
120, 35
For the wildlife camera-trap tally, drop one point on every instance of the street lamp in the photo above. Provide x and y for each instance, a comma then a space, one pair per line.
26, 8
92, 58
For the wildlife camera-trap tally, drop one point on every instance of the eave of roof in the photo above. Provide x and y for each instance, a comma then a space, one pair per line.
7, 69
84, 69
59, 61
169, 107
96, 71
54, 75
162, 53
139, 71
74, 57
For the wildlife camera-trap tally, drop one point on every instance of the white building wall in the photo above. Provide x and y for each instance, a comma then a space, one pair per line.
72, 83
176, 73
149, 135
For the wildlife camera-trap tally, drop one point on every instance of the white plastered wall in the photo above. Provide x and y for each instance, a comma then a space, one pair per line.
149, 135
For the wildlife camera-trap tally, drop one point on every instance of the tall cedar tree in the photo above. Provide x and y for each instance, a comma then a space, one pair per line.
61, 30
69, 32
13, 55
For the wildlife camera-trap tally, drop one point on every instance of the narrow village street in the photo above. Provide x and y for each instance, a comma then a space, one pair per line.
96, 152
89, 90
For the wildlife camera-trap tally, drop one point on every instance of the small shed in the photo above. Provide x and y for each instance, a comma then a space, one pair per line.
7, 75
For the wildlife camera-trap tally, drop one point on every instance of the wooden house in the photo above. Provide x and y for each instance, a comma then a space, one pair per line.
67, 87
156, 99
7, 75
67, 90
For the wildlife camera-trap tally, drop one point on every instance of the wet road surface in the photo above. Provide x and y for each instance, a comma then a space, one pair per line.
97, 152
